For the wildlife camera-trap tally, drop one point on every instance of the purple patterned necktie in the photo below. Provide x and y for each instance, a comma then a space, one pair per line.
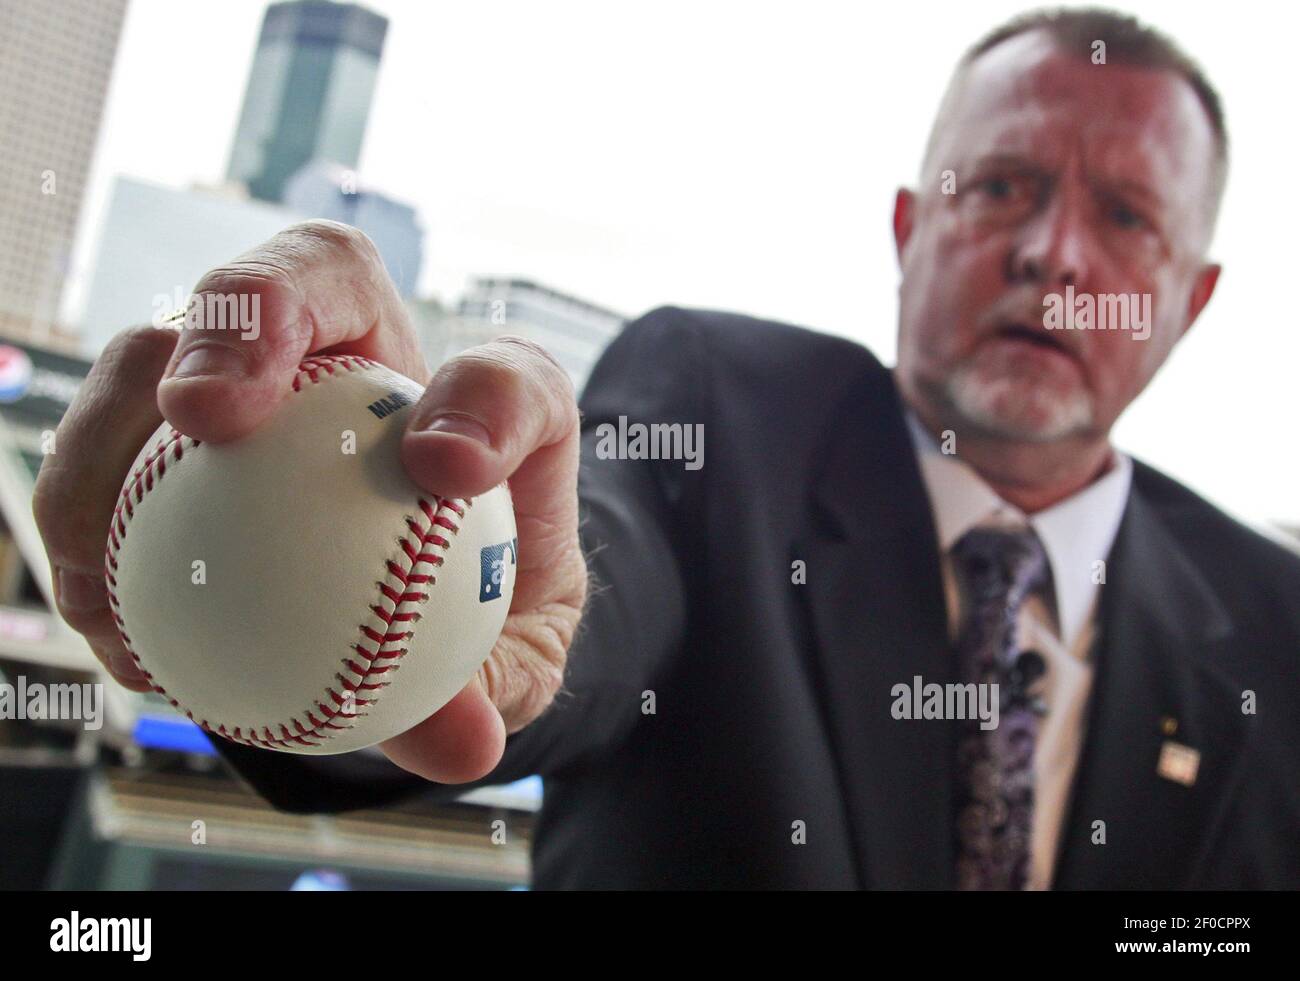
995, 794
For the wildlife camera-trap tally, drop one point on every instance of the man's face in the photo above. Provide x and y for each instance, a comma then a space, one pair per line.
1066, 173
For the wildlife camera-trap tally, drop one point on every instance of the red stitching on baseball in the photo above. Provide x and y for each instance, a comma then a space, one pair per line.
322, 718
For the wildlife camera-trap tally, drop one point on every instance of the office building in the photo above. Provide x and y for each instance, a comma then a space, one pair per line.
324, 189
308, 94
573, 330
55, 64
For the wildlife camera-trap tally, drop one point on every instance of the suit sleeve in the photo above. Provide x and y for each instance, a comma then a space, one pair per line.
638, 518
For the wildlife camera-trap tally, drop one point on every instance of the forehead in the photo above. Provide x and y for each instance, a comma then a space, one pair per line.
1027, 96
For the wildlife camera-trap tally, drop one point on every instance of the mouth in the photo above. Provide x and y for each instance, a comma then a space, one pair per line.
1036, 337
1039, 337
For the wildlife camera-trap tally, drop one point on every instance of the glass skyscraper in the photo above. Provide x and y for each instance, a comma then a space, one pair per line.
308, 94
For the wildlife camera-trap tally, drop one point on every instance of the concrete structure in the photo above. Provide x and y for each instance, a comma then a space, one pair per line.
155, 244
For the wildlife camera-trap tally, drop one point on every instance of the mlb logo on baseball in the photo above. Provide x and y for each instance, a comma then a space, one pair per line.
493, 569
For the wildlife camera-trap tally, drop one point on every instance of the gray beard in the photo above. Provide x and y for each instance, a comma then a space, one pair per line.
1036, 420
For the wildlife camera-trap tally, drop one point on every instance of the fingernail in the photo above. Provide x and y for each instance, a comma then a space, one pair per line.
459, 424
78, 591
210, 359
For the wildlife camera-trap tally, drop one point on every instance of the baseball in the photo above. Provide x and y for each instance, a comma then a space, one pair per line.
294, 589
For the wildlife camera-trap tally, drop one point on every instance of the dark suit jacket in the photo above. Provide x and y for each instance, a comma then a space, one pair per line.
772, 699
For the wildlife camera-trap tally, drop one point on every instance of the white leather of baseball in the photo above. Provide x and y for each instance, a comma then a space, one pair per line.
286, 594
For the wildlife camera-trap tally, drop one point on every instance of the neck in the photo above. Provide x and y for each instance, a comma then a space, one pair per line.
1034, 487
1032, 476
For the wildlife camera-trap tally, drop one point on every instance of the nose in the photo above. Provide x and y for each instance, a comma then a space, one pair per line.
1051, 249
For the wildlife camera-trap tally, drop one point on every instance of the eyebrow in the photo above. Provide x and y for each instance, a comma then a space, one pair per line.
1137, 188
1014, 160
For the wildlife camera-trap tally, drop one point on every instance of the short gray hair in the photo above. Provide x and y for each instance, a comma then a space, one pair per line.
1128, 41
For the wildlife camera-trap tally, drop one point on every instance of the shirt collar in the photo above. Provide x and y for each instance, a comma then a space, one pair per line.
1076, 533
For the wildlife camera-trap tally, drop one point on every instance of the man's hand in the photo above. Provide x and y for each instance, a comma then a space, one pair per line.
501, 410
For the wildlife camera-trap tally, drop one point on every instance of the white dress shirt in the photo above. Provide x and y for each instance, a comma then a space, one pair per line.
1076, 533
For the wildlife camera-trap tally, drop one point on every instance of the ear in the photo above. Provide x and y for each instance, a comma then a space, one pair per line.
904, 216
1202, 290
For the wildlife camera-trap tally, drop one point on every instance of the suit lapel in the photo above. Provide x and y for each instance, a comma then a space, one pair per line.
1161, 682
1161, 629
876, 604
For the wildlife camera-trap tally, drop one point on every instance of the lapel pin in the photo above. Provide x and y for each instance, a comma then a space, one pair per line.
1178, 763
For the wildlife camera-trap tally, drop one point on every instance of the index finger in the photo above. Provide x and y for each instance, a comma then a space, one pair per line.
316, 286
506, 410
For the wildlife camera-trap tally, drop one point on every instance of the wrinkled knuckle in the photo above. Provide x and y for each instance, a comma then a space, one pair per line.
335, 236
70, 537
49, 504
535, 686
550, 639
518, 340
523, 681
549, 678
483, 368
547, 366
260, 273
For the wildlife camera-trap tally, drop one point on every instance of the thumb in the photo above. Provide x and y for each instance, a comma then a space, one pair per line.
484, 414
506, 411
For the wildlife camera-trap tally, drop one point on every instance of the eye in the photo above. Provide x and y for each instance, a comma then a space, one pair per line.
999, 188
1126, 217
1006, 191
1000, 195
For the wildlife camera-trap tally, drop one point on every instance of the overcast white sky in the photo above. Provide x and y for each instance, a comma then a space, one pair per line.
742, 156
